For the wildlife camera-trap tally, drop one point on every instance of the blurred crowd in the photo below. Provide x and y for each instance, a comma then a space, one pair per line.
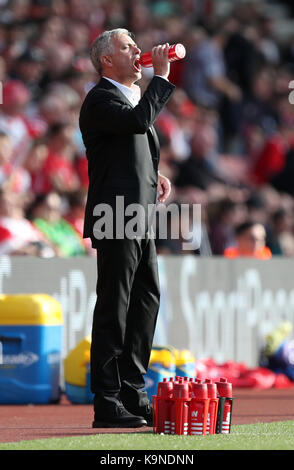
227, 133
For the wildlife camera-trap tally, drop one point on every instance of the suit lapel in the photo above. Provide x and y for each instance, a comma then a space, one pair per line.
107, 85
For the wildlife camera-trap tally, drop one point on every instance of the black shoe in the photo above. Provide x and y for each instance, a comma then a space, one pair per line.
117, 417
146, 411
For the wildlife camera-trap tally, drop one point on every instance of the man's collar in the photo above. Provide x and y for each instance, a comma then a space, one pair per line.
118, 84
133, 94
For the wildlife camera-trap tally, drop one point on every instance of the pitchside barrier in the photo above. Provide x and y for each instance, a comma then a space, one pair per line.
214, 307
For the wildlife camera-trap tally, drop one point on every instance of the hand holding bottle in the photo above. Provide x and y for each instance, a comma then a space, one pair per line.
175, 52
159, 59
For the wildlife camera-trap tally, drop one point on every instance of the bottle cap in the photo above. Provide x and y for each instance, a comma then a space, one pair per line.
199, 390
211, 389
165, 389
181, 390
224, 388
180, 51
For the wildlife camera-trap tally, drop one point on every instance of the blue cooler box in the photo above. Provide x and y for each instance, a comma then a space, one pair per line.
30, 349
161, 365
77, 373
185, 364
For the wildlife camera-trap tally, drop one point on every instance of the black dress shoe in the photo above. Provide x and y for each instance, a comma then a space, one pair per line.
117, 417
146, 411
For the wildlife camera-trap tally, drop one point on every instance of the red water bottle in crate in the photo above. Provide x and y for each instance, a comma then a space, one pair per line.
175, 52
224, 416
198, 409
180, 408
213, 406
162, 407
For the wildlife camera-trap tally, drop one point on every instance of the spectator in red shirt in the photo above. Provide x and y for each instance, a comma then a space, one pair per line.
271, 159
59, 166
34, 164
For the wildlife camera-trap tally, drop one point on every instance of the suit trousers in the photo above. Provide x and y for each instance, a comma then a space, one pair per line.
124, 320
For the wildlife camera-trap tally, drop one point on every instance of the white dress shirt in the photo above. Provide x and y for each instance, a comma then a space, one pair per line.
132, 93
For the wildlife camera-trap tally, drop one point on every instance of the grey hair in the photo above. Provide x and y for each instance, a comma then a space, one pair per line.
102, 45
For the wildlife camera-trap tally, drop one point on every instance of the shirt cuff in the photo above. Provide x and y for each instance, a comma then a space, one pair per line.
161, 77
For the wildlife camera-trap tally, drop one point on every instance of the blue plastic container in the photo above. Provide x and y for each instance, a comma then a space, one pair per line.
161, 365
185, 364
77, 373
80, 394
30, 349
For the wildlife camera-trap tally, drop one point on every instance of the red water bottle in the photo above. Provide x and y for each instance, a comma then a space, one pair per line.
162, 407
224, 418
180, 408
198, 409
213, 406
175, 52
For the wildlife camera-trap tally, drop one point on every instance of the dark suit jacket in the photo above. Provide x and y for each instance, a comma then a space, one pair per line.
121, 145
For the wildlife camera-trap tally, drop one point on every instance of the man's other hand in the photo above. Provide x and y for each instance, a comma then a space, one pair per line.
163, 188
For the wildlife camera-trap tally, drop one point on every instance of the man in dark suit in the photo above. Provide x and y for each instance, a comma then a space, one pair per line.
123, 153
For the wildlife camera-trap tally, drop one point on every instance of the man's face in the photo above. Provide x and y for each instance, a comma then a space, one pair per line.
123, 64
253, 239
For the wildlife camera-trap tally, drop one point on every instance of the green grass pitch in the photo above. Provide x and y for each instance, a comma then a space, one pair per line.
259, 436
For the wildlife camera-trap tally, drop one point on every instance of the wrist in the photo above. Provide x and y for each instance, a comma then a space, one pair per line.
161, 76
160, 73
